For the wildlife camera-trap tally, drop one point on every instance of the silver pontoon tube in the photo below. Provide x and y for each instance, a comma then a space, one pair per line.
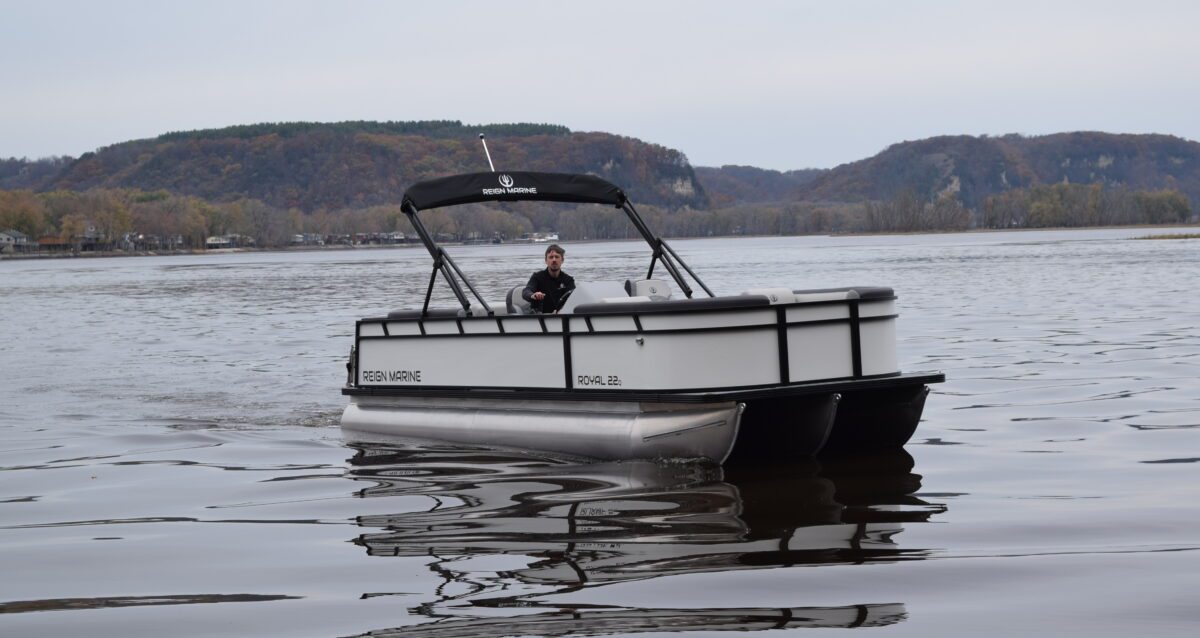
595, 429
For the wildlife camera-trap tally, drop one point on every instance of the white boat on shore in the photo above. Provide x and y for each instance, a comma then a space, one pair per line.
624, 369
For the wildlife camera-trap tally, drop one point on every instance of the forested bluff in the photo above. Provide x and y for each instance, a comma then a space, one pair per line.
273, 185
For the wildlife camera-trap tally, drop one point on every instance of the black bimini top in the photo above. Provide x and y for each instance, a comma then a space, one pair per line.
510, 187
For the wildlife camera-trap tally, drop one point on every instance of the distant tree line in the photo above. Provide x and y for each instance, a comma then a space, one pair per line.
907, 212
1075, 205
108, 219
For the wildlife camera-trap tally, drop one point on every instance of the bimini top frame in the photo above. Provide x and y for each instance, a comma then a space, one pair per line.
515, 186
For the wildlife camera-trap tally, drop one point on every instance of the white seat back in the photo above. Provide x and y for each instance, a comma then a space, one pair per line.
591, 292
655, 289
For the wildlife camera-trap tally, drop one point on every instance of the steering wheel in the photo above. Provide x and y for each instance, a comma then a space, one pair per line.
562, 300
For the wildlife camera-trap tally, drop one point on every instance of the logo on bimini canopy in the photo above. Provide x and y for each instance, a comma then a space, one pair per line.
506, 182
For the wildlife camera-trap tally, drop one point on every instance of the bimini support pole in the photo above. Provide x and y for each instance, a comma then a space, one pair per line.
664, 252
439, 261
459, 272
685, 267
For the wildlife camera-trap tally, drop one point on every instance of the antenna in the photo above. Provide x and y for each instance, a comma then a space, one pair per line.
485, 152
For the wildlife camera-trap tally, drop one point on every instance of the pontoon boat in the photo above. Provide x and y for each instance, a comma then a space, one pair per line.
626, 370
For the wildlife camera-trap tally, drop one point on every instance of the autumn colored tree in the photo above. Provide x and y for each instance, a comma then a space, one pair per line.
22, 211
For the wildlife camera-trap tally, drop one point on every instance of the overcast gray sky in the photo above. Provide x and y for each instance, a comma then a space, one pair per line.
773, 84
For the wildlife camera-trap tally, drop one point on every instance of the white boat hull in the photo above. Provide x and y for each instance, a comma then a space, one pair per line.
595, 429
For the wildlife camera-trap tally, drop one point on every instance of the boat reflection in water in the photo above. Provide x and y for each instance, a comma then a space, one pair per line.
570, 526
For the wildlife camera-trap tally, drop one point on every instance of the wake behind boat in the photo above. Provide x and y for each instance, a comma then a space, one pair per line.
625, 369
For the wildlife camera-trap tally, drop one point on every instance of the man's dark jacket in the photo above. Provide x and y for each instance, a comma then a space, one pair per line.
555, 289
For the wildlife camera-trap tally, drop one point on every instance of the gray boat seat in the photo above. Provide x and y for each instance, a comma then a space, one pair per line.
655, 289
516, 304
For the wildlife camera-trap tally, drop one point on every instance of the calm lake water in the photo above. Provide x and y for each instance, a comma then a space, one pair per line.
171, 460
